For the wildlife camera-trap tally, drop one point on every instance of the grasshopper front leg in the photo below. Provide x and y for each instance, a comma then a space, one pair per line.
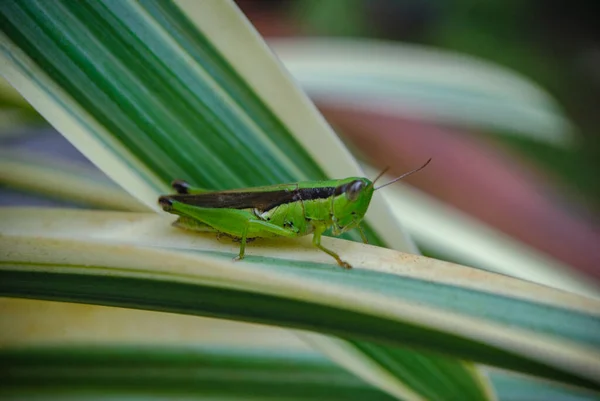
362, 234
243, 240
319, 229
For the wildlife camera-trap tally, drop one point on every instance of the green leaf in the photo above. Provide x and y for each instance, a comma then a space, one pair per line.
427, 83
97, 336
148, 98
176, 372
148, 371
68, 180
135, 260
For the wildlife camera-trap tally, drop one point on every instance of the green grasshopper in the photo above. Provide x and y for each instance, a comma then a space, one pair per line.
285, 210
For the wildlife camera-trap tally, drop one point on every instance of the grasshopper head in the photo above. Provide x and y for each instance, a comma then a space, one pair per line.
352, 198
351, 202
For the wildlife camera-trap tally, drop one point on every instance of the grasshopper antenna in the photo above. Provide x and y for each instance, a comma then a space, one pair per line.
401, 177
380, 175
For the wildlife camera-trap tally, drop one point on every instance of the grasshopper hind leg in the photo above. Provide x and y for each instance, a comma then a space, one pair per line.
184, 188
188, 223
234, 222
180, 186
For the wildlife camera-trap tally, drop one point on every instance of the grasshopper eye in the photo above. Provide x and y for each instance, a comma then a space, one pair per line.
353, 190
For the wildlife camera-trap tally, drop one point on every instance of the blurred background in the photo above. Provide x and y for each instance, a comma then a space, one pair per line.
543, 193
536, 182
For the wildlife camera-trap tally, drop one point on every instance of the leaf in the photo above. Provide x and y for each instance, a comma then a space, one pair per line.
76, 182
177, 104
98, 335
176, 372
425, 83
134, 260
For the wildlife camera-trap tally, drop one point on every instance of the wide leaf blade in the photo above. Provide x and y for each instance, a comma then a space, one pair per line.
137, 261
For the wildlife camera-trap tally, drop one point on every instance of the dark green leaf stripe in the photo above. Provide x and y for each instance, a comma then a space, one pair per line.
420, 370
177, 372
201, 371
170, 296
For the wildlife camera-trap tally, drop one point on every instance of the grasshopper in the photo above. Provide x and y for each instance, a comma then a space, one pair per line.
284, 210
